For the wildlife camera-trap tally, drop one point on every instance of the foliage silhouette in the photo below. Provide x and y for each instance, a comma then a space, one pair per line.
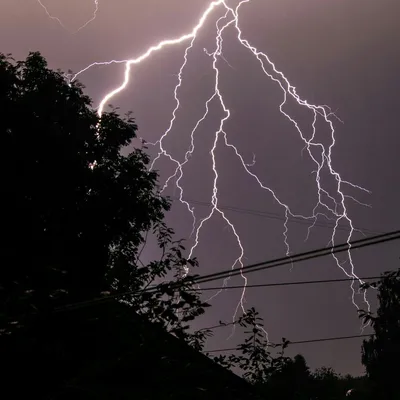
255, 361
277, 376
75, 210
292, 381
380, 353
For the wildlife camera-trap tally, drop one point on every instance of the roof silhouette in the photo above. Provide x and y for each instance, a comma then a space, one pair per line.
106, 351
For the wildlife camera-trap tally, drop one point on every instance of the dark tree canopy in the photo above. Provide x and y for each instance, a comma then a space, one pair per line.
292, 381
73, 207
380, 354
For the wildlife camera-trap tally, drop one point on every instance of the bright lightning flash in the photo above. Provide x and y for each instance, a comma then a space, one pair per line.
330, 204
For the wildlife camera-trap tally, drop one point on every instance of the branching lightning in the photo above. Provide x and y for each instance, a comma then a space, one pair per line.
330, 204
96, 9
51, 16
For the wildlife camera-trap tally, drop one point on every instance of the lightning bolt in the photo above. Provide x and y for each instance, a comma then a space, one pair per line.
330, 203
51, 16
96, 9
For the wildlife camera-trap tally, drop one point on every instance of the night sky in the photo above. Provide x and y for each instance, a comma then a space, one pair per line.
341, 53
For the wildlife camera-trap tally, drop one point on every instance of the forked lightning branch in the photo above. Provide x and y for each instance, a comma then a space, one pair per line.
330, 203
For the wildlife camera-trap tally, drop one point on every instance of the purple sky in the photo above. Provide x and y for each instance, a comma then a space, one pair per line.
341, 53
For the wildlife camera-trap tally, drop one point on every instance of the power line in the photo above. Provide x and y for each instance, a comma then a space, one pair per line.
292, 283
259, 285
309, 255
298, 342
271, 215
221, 325
226, 324
374, 240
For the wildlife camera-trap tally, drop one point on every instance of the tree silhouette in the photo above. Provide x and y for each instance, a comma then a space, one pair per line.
277, 376
75, 210
292, 381
326, 385
380, 353
255, 358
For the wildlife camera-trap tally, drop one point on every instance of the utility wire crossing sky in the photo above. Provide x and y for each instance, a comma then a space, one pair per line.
317, 253
331, 202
